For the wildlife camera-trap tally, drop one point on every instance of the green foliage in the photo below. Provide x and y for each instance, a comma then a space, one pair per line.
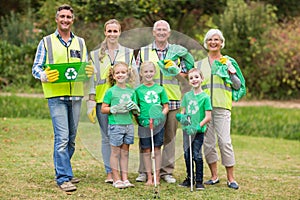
242, 24
24, 107
266, 121
279, 62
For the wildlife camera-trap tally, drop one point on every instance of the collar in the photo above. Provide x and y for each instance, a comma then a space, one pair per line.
58, 36
154, 47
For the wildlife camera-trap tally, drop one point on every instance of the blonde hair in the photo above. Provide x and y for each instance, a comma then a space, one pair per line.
198, 71
103, 46
145, 64
131, 74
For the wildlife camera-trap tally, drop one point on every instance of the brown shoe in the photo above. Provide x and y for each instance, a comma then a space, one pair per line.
67, 187
75, 180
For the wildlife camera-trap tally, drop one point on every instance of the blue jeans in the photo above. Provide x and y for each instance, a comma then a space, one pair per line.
105, 146
197, 141
65, 116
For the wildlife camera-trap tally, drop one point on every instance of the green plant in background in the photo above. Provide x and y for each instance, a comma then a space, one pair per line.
242, 24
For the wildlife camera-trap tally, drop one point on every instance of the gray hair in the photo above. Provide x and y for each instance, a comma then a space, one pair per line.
161, 21
211, 33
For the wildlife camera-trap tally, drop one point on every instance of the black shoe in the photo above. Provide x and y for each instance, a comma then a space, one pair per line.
233, 185
212, 182
199, 186
186, 183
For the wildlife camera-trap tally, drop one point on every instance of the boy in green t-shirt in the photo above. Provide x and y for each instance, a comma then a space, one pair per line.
149, 94
195, 114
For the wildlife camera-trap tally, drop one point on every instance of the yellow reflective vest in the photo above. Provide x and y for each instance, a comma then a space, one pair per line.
214, 86
124, 55
170, 83
58, 53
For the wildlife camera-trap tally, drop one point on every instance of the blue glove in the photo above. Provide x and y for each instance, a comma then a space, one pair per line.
183, 119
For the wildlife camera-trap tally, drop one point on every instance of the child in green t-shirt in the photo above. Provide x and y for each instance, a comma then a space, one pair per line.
149, 94
195, 114
120, 103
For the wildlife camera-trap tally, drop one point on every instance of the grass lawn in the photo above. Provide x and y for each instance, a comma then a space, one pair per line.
266, 168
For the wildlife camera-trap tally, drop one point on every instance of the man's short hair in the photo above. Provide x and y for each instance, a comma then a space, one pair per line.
65, 7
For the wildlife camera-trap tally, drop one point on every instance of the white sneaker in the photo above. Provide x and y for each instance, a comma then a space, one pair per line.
169, 178
141, 178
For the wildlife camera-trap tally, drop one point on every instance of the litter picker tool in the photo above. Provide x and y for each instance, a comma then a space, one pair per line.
191, 156
155, 112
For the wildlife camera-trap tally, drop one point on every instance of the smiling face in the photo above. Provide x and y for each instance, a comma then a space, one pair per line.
214, 44
161, 32
112, 33
64, 20
120, 74
147, 72
195, 79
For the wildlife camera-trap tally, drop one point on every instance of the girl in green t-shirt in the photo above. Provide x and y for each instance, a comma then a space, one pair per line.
120, 103
149, 94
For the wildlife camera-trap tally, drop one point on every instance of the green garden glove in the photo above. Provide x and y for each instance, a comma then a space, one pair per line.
183, 119
192, 130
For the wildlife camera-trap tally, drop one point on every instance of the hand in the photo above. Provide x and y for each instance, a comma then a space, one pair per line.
132, 106
192, 130
157, 121
91, 110
231, 69
120, 108
52, 75
144, 122
183, 119
89, 70
169, 63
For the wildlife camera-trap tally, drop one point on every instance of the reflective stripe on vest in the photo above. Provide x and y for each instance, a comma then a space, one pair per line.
125, 55
58, 53
170, 83
222, 92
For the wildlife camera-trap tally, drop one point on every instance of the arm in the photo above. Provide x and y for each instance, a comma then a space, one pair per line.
39, 61
206, 119
105, 109
165, 109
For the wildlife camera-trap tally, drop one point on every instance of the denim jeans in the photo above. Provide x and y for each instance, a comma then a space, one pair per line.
65, 116
197, 141
105, 146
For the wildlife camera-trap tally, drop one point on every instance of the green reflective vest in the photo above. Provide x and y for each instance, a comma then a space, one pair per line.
58, 53
124, 55
170, 83
215, 87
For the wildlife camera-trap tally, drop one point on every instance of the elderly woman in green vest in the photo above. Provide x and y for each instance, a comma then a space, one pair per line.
103, 58
224, 82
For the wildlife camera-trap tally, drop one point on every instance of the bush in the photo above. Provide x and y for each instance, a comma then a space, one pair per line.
241, 24
279, 62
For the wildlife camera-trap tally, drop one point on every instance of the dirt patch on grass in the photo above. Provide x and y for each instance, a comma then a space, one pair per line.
278, 104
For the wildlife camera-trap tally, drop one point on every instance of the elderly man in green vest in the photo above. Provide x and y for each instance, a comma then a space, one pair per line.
158, 52
56, 57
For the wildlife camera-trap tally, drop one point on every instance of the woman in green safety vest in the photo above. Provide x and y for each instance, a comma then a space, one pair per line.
224, 82
109, 53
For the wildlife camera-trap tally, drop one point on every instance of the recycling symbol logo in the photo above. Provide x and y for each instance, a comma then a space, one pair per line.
71, 73
192, 107
151, 97
125, 98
